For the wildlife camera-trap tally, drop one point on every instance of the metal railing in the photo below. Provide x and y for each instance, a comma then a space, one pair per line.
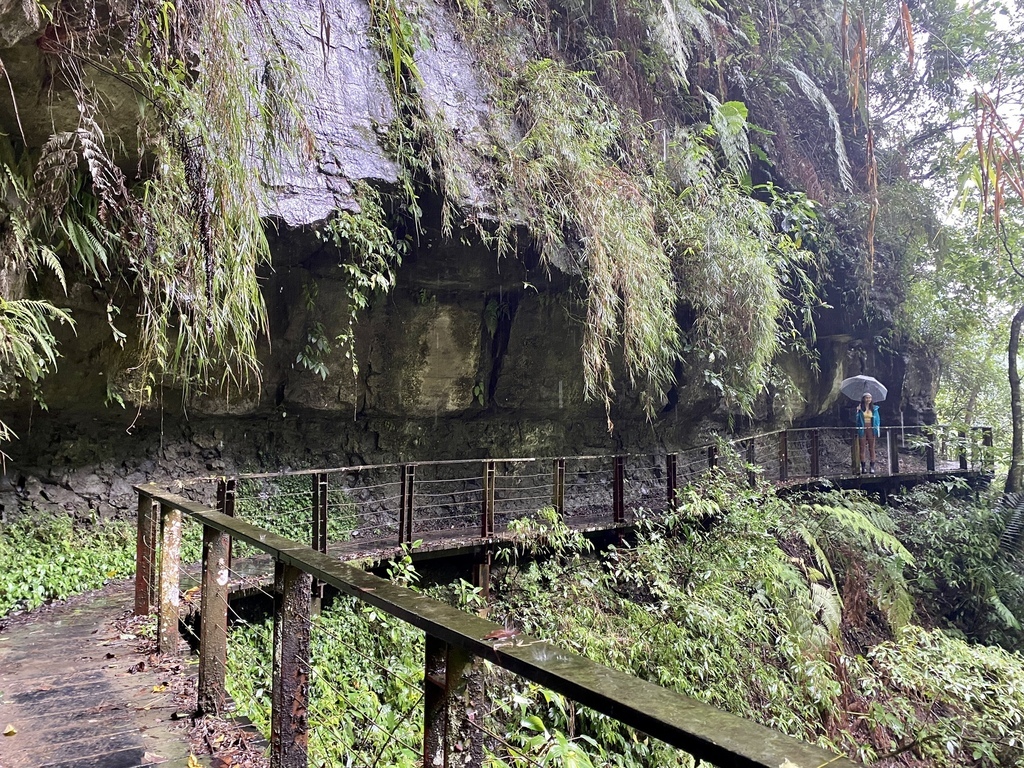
373, 510
454, 642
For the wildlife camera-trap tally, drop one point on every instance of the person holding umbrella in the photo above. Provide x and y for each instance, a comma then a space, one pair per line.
869, 426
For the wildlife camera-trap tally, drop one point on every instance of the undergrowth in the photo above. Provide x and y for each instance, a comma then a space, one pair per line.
48, 558
804, 614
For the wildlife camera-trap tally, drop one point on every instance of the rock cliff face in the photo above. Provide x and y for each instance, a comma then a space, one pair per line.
470, 355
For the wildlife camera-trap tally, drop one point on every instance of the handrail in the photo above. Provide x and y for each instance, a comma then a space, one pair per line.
704, 731
735, 442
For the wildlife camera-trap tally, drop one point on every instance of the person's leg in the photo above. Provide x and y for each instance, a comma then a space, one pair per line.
863, 454
871, 452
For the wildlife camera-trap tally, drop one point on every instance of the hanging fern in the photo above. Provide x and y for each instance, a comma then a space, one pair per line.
816, 96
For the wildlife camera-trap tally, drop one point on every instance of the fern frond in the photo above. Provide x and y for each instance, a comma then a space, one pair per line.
816, 96
682, 24
1003, 612
47, 258
871, 531
729, 120
819, 554
827, 606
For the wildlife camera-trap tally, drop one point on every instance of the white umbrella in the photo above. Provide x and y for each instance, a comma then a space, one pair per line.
855, 387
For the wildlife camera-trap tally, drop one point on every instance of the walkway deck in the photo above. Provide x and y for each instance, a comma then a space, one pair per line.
83, 690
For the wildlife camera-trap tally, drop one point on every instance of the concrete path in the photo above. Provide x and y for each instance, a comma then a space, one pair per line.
80, 688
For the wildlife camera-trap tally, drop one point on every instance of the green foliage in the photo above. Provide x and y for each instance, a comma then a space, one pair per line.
373, 254
189, 236
284, 505
365, 682
964, 582
51, 557
739, 273
741, 599
587, 215
751, 603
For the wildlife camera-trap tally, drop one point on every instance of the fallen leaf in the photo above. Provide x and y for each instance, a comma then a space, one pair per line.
160, 688
111, 656
10, 730
140, 667
151, 757
192, 762
501, 634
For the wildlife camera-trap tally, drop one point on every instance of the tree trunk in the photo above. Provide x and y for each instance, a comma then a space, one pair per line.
1015, 477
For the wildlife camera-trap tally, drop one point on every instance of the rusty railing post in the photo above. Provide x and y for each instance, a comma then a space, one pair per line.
751, 463
929, 456
170, 579
988, 460
487, 508
961, 449
815, 450
146, 576
783, 455
892, 443
618, 490
289, 699
445, 681
482, 571
712, 457
559, 495
671, 478
213, 627
405, 513
855, 454
319, 528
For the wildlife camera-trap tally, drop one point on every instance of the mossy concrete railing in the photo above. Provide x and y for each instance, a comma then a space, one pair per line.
454, 639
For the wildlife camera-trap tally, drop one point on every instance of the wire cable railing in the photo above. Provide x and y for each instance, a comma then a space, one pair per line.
375, 510
307, 726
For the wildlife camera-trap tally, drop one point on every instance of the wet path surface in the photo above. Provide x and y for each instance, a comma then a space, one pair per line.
80, 688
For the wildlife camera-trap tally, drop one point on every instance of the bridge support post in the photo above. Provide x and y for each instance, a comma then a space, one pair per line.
892, 443
213, 627
671, 478
405, 513
712, 457
961, 449
618, 490
482, 572
930, 452
751, 460
146, 576
559, 494
448, 675
319, 529
487, 510
815, 453
987, 458
170, 577
783, 456
855, 455
289, 698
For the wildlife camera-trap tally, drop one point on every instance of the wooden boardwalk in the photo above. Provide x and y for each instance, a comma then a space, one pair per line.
81, 690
